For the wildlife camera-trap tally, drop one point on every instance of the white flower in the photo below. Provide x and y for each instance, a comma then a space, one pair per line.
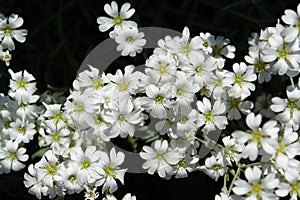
90, 81
288, 147
124, 119
118, 19
288, 109
22, 82
159, 158
256, 187
223, 196
257, 137
261, 68
214, 166
285, 55
128, 196
207, 42
110, 170
291, 18
80, 108
88, 163
67, 178
8, 31
47, 169
291, 186
126, 83
232, 150
157, 100
243, 76
235, 105
90, 193
184, 47
130, 41
57, 137
22, 130
54, 114
200, 69
35, 186
161, 67
11, 156
211, 116
5, 56
221, 82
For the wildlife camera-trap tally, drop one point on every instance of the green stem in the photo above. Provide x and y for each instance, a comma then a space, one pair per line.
236, 175
292, 82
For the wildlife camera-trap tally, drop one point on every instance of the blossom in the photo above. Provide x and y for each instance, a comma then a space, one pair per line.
31, 181
256, 186
161, 67
22, 82
257, 137
87, 161
288, 109
291, 18
22, 130
157, 100
211, 115
118, 19
159, 158
8, 31
5, 56
130, 41
214, 166
285, 55
291, 186
110, 170
12, 156
243, 76
123, 119
235, 105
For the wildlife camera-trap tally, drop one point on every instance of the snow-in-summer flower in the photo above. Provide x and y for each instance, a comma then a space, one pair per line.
257, 185
117, 19
130, 41
9, 31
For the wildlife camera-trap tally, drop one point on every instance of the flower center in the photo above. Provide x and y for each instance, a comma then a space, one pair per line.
208, 117
118, 20
123, 86
21, 130
99, 119
109, 171
129, 39
97, 84
85, 164
7, 29
56, 137
186, 49
238, 79
256, 189
22, 84
12, 155
199, 70
72, 178
122, 117
51, 169
260, 66
159, 99
234, 103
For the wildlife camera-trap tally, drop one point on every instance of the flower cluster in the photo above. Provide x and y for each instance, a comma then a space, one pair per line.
186, 95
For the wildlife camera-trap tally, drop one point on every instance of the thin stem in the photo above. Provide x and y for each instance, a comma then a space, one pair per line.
236, 175
292, 82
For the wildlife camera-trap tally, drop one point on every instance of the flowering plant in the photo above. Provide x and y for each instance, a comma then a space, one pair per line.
187, 99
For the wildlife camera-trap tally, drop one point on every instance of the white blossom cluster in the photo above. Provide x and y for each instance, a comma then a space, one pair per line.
187, 90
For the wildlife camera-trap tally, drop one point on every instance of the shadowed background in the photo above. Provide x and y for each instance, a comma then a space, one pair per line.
61, 33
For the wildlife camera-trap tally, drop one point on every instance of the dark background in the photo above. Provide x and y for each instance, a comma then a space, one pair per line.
61, 33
